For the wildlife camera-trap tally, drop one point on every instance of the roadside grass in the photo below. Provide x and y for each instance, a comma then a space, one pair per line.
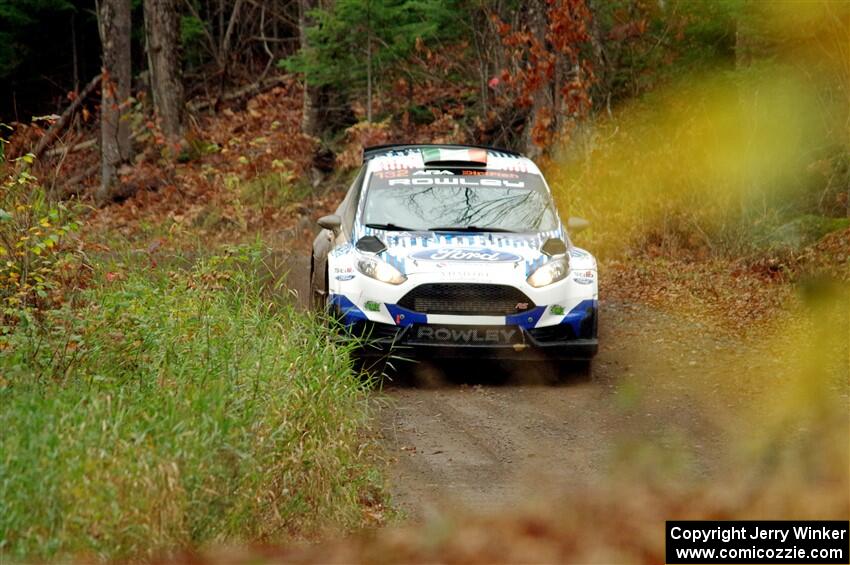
161, 410
276, 189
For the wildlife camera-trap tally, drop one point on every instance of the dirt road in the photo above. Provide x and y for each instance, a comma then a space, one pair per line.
485, 436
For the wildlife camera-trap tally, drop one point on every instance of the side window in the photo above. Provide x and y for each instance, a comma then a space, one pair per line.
348, 208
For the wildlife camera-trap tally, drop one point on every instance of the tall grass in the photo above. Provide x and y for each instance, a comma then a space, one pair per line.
174, 409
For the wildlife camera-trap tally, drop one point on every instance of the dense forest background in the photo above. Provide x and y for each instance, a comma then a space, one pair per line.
523, 75
51, 48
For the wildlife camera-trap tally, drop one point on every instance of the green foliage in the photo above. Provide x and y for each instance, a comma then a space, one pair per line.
4, 128
343, 37
176, 409
708, 31
647, 43
196, 149
32, 230
192, 38
277, 190
713, 164
803, 231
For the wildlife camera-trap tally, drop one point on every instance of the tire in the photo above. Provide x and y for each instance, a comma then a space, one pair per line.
583, 370
318, 302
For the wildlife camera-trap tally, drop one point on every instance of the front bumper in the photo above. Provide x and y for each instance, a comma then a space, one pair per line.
499, 342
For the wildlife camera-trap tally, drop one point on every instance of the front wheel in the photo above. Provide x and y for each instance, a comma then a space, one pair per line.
583, 370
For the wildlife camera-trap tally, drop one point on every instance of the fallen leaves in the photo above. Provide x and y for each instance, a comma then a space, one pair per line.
226, 151
741, 295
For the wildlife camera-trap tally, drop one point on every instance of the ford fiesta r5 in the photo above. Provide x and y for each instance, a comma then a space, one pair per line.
456, 250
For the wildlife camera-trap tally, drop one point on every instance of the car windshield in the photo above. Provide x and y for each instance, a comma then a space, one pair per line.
460, 199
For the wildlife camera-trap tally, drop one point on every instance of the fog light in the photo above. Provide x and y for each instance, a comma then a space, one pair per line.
558, 310
373, 306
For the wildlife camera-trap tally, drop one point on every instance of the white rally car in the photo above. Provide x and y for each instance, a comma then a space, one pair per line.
455, 250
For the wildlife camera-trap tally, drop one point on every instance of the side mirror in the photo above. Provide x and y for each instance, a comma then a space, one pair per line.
330, 222
576, 225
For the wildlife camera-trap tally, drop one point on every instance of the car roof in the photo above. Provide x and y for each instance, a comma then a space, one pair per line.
388, 157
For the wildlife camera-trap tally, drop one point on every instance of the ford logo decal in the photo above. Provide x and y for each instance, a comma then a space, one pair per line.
466, 254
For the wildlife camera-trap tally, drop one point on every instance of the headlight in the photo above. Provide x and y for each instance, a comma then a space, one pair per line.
553, 271
379, 270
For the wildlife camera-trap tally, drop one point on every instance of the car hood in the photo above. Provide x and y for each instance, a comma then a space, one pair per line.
473, 253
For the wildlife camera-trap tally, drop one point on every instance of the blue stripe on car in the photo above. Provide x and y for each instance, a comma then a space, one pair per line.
348, 311
525, 320
576, 316
404, 317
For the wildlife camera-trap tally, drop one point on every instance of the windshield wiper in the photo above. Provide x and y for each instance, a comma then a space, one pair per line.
471, 229
387, 227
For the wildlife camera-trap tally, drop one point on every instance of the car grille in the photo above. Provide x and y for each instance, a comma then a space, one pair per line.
558, 332
372, 330
466, 299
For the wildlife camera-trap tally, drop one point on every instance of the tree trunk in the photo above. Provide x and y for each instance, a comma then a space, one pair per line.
541, 99
114, 25
369, 77
162, 33
310, 123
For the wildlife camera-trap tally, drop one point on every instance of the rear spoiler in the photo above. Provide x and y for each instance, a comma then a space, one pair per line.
374, 151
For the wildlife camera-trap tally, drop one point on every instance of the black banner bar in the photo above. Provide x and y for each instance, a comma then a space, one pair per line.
754, 541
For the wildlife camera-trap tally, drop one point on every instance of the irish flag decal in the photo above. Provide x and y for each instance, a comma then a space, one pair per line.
436, 154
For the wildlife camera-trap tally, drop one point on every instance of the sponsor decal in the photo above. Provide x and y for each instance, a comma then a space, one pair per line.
466, 335
584, 277
341, 250
344, 277
465, 275
466, 254
455, 181
490, 173
432, 172
392, 174
404, 173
